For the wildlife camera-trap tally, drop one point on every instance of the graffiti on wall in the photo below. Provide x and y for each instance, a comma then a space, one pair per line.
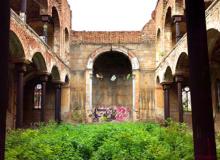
113, 113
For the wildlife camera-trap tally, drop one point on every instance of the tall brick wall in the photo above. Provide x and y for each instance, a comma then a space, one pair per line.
141, 43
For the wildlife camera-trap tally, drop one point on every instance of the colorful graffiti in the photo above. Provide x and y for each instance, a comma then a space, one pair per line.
113, 113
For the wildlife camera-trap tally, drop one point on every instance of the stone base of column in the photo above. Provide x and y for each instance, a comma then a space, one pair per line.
23, 16
89, 116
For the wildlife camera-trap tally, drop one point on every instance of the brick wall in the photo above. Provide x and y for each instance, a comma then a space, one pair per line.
107, 37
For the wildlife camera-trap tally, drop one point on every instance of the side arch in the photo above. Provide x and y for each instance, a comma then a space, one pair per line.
157, 80
181, 64
213, 36
168, 75
39, 62
55, 74
16, 48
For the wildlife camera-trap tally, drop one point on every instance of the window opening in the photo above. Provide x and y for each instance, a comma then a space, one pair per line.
37, 96
186, 99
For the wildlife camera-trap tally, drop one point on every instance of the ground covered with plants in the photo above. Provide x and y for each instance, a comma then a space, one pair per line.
107, 141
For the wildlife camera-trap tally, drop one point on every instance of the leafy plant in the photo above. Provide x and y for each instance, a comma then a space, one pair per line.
115, 141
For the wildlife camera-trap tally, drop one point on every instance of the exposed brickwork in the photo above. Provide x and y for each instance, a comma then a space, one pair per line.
32, 44
107, 37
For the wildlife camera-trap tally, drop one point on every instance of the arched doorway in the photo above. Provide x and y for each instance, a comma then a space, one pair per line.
169, 32
112, 85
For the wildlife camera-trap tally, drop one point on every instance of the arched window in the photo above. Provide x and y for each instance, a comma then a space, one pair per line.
66, 33
37, 96
186, 99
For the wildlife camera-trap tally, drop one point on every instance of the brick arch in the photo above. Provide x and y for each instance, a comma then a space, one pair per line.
40, 62
165, 13
67, 78
16, 31
16, 46
213, 36
133, 59
64, 74
66, 39
168, 75
56, 40
55, 73
181, 63
51, 4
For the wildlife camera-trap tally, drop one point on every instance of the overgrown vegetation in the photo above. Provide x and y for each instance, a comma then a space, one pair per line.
108, 141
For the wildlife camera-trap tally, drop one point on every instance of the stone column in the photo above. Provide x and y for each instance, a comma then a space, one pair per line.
134, 115
58, 102
88, 105
177, 19
179, 80
166, 88
44, 79
135, 94
23, 10
21, 69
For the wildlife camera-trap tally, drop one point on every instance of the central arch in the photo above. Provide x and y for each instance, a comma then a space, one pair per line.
111, 72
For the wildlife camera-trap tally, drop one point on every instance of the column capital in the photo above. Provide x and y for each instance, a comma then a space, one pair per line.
44, 76
57, 83
45, 18
21, 67
179, 78
178, 18
166, 85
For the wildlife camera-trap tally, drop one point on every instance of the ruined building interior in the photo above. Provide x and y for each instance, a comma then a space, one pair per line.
60, 74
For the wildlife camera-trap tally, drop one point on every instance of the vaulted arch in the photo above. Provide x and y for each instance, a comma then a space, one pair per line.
55, 74
168, 75
157, 80
169, 31
213, 36
66, 40
55, 31
159, 49
67, 79
39, 62
15, 46
182, 64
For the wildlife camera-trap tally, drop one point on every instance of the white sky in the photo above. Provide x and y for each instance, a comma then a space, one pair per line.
110, 15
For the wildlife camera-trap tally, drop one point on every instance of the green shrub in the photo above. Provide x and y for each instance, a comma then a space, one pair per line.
107, 141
